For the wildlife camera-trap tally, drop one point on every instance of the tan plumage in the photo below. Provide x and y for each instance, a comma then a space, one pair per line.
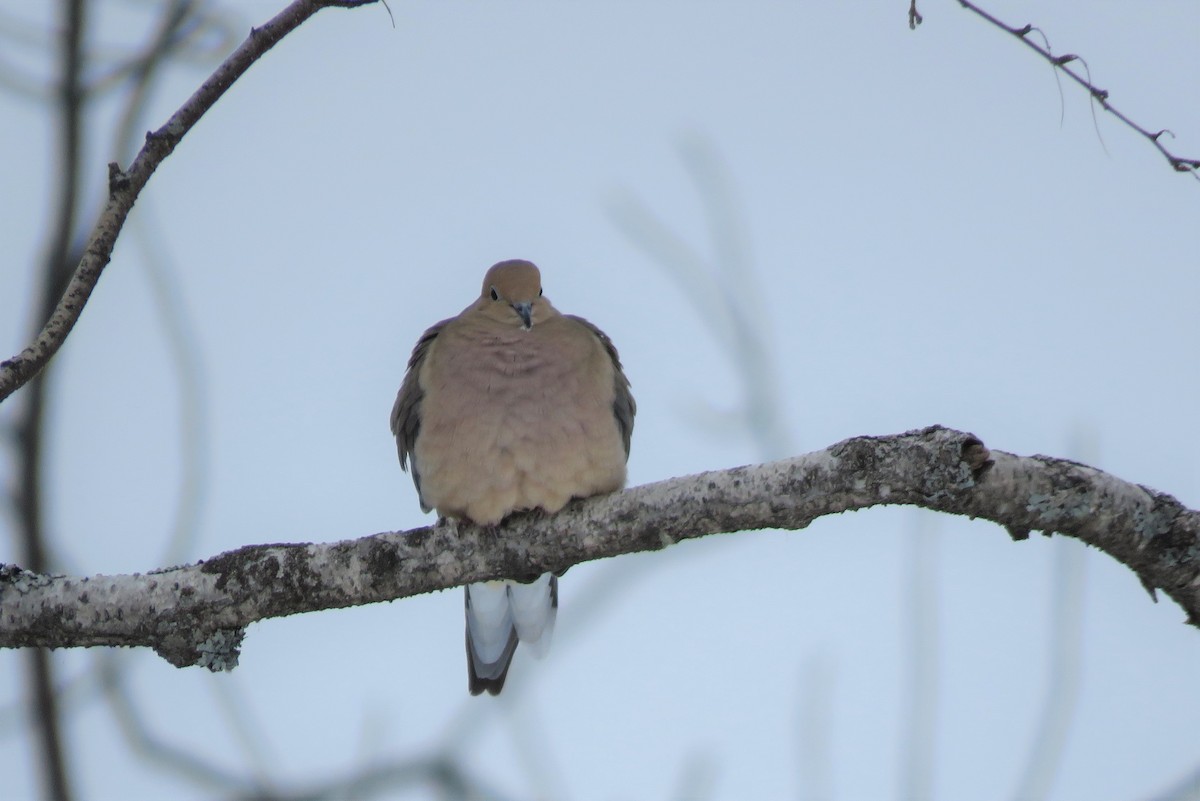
511, 406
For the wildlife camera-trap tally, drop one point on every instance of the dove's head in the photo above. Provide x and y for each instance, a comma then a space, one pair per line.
512, 294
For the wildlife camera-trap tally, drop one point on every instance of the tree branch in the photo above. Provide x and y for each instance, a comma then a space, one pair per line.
1060, 63
197, 614
125, 186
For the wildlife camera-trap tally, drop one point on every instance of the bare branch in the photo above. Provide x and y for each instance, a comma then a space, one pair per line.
1098, 95
197, 614
124, 186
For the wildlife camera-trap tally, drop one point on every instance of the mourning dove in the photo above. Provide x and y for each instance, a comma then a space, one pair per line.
511, 406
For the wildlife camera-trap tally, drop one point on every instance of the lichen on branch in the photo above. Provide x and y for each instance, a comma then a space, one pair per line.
197, 614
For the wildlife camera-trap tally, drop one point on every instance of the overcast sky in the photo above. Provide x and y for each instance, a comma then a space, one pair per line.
927, 234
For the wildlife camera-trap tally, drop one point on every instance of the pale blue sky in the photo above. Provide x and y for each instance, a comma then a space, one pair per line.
930, 246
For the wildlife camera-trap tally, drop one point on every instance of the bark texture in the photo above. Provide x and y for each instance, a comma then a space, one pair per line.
197, 614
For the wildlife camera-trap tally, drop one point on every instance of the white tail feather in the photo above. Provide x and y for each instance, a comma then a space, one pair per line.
489, 619
534, 608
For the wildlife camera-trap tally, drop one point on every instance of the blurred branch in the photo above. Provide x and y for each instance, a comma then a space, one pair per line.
376, 780
533, 745
1186, 788
720, 287
189, 31
142, 741
379, 779
251, 741
14, 33
124, 186
180, 27
30, 423
73, 693
814, 761
186, 360
918, 741
197, 614
1062, 693
447, 778
1063, 64
697, 777
203, 36
145, 67
178, 22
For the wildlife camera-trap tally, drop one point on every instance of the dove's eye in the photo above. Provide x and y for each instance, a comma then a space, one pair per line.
539, 291
495, 294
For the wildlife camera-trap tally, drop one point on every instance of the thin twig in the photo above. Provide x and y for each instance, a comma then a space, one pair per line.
124, 186
1098, 95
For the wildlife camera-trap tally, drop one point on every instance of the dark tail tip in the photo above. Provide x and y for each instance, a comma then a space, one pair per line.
477, 686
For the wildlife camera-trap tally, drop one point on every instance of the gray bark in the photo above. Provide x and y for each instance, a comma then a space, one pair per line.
197, 614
